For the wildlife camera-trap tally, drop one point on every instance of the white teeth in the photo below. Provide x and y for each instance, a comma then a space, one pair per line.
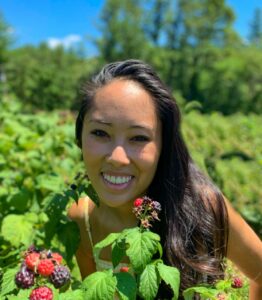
117, 179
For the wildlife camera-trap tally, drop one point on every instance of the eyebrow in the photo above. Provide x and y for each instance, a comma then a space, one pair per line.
100, 121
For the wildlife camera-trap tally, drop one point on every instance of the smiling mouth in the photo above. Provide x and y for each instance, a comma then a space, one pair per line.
117, 180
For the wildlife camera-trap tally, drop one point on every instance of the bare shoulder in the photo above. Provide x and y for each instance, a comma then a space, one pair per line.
76, 211
244, 246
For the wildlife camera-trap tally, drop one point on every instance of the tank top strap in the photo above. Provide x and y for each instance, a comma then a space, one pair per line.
87, 223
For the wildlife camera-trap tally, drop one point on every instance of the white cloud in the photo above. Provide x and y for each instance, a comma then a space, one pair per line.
66, 42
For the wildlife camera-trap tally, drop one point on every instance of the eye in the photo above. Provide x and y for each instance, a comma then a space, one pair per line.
99, 133
140, 138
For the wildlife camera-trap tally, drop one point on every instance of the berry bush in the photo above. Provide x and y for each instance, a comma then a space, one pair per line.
41, 173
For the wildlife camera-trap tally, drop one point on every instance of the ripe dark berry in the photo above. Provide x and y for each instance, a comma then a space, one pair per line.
124, 269
45, 267
41, 293
60, 276
25, 278
32, 260
138, 202
73, 187
237, 283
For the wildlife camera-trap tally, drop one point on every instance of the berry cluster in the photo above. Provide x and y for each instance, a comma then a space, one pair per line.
38, 267
146, 210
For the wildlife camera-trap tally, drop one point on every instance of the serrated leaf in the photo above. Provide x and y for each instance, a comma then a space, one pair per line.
118, 252
104, 243
14, 297
69, 235
49, 182
8, 281
24, 294
126, 286
76, 295
54, 208
148, 282
171, 276
142, 246
204, 292
99, 286
223, 284
20, 200
17, 230
160, 250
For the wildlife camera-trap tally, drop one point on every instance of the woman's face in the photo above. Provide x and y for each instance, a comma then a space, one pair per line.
121, 142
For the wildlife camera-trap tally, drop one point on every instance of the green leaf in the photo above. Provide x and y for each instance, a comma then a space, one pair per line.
48, 182
171, 276
24, 294
20, 200
233, 297
148, 282
223, 284
160, 250
55, 206
14, 297
100, 286
17, 230
126, 286
69, 295
69, 235
204, 292
118, 252
104, 243
142, 246
8, 281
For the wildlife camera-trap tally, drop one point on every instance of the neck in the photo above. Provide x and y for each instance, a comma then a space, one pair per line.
117, 218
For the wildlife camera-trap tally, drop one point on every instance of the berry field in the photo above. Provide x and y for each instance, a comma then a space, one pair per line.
41, 173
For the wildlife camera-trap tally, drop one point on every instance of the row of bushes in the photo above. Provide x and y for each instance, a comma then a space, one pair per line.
39, 161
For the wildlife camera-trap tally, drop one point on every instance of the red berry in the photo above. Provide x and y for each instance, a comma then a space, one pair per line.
237, 283
138, 202
124, 269
57, 257
41, 293
45, 267
32, 260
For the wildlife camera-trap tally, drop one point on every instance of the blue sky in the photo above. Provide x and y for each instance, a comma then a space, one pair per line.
71, 21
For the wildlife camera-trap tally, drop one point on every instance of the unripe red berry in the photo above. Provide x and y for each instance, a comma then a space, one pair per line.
57, 257
45, 267
124, 269
41, 293
237, 283
138, 202
32, 260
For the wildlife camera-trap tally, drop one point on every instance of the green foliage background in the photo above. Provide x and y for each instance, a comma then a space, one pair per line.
214, 74
39, 161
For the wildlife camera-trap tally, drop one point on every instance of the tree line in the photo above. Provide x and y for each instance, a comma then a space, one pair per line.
192, 45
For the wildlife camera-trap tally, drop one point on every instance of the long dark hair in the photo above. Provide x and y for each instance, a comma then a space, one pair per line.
193, 227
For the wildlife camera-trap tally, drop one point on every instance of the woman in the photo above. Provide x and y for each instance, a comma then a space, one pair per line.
128, 129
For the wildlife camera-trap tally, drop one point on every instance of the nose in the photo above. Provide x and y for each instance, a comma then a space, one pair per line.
118, 156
